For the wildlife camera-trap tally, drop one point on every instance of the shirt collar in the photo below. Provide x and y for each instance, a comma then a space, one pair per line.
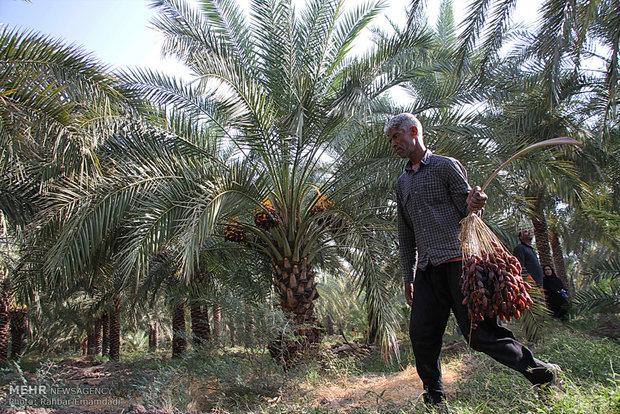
425, 160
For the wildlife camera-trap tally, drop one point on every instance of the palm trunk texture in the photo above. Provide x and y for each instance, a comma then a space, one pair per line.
330, 325
217, 323
115, 331
297, 290
179, 333
153, 336
558, 261
97, 336
19, 330
105, 334
91, 342
373, 329
541, 232
201, 331
4, 327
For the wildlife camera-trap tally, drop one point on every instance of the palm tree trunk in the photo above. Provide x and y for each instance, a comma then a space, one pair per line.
217, 323
179, 332
91, 345
373, 329
541, 233
94, 338
295, 282
558, 261
153, 336
97, 336
201, 329
4, 327
19, 330
115, 330
105, 334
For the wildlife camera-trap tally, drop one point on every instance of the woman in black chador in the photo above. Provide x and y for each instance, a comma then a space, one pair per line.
555, 293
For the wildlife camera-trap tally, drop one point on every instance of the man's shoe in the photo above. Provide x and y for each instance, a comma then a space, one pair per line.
432, 398
556, 380
436, 402
553, 380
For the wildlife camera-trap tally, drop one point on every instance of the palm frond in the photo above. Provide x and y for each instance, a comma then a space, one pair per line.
472, 26
606, 266
227, 20
535, 321
602, 297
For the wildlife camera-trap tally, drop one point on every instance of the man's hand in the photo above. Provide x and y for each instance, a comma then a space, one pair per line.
476, 199
409, 293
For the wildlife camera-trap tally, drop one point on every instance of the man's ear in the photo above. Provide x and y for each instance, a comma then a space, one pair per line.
414, 131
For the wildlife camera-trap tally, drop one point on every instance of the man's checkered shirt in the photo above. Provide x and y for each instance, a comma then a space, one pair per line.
431, 203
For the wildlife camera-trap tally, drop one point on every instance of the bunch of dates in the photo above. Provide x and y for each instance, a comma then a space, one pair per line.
234, 233
493, 286
267, 217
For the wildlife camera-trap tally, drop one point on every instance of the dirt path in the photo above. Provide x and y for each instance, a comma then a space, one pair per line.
398, 389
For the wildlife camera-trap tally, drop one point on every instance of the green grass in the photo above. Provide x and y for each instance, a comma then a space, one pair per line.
590, 380
248, 381
589, 367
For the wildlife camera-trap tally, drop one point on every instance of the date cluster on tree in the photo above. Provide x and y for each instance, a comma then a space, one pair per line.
234, 233
332, 221
266, 217
493, 286
322, 205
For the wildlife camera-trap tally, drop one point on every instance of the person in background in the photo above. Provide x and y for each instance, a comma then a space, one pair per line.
432, 197
528, 258
555, 294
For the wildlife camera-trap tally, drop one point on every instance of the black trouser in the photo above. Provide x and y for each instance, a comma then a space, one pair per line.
437, 290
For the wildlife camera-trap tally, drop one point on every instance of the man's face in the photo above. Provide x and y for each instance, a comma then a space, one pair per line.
526, 235
403, 141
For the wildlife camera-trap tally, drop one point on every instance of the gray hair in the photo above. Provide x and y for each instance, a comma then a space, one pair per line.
402, 122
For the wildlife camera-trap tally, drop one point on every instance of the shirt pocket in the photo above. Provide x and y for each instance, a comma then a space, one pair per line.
434, 192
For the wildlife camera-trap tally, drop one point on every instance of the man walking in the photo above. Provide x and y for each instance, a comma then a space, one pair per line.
433, 195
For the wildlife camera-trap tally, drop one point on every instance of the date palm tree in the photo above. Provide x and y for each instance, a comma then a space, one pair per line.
284, 88
57, 104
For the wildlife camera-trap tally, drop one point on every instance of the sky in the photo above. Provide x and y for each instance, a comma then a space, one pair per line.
118, 32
